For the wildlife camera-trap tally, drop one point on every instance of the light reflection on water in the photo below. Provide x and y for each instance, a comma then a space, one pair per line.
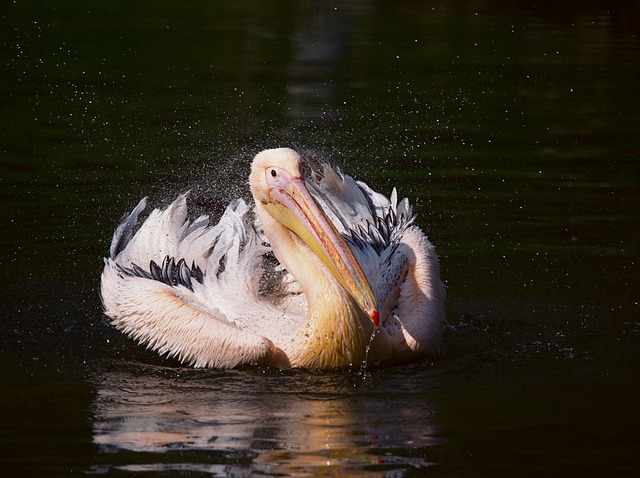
291, 423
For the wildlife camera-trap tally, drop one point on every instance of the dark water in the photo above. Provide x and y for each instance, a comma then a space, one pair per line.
513, 128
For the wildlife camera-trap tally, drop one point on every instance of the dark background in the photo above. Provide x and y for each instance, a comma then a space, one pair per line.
512, 128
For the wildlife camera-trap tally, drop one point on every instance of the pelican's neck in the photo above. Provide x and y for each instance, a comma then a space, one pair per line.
338, 332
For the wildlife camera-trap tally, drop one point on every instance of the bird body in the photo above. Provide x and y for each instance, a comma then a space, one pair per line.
322, 273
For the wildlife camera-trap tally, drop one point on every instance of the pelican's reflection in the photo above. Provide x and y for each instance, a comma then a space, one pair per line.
243, 423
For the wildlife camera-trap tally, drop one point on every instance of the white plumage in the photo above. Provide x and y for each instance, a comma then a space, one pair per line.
215, 295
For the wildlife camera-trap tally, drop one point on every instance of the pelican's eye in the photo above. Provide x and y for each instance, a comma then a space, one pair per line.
277, 177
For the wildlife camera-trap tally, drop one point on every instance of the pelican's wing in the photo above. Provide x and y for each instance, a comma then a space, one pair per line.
411, 295
188, 289
369, 221
396, 256
341, 198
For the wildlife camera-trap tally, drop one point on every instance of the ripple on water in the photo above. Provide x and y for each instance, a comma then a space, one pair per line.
161, 420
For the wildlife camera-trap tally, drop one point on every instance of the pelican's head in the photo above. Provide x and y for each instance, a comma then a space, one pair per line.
277, 183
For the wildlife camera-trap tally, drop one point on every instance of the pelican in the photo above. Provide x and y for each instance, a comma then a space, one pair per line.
322, 273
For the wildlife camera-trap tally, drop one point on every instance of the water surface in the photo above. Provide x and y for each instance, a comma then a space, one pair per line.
514, 131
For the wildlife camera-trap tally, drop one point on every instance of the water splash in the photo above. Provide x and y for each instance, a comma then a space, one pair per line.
363, 367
